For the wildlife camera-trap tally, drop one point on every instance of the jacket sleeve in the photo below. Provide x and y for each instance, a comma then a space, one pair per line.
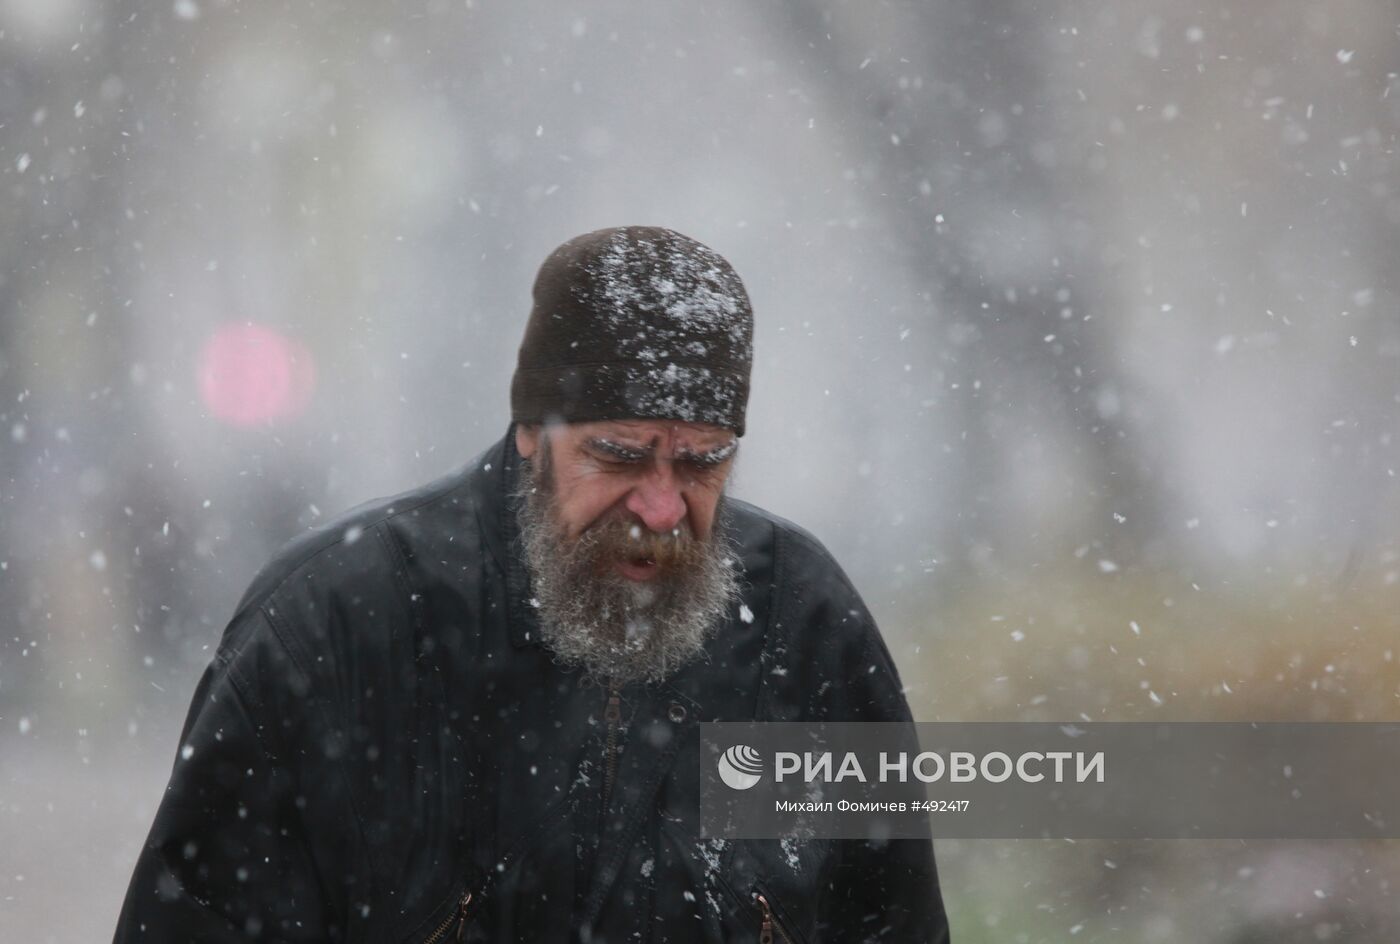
226, 858
884, 890
880, 890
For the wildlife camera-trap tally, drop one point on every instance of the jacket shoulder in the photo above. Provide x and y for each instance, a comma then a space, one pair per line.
799, 556
346, 540
827, 657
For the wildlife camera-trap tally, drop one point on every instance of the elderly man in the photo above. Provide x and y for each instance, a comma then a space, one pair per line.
470, 712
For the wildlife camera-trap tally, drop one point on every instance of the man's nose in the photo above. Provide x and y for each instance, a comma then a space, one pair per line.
657, 500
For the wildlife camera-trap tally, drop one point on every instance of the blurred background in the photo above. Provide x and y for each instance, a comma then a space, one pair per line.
1077, 342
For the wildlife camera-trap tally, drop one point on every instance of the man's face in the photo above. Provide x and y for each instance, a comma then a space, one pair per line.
662, 476
619, 524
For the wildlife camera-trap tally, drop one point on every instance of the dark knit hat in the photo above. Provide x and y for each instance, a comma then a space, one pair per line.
635, 322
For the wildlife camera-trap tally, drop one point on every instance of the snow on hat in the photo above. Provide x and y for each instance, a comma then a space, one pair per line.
635, 322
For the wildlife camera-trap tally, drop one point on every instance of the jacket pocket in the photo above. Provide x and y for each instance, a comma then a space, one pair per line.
773, 923
452, 927
773, 927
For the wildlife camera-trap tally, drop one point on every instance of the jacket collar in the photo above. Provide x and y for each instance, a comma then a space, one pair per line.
497, 515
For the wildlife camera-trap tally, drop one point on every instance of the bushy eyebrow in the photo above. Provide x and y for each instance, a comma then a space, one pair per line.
618, 450
636, 453
710, 457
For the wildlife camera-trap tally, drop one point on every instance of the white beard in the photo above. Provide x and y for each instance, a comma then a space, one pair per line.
612, 627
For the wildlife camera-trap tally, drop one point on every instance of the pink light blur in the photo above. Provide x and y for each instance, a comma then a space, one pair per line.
250, 374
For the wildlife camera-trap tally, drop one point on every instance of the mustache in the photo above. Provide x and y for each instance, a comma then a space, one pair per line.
622, 538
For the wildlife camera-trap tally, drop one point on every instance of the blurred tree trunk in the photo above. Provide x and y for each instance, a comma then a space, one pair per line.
951, 115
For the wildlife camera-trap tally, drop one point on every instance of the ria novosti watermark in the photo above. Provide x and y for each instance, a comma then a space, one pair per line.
1010, 780
931, 767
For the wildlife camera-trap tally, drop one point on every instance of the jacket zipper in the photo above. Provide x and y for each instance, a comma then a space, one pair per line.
612, 714
457, 918
770, 926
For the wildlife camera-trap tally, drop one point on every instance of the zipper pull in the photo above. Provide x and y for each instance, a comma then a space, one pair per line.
462, 916
612, 714
765, 934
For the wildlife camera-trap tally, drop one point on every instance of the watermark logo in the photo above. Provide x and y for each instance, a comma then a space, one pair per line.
740, 767
1091, 780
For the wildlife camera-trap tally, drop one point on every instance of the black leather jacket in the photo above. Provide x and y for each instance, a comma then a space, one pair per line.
381, 751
